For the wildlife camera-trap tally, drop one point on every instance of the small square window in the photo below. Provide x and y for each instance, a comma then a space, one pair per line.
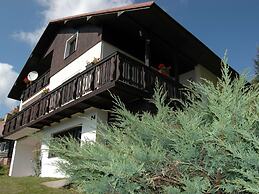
71, 45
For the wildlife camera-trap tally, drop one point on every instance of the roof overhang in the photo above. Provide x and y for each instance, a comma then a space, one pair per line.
50, 33
31, 63
146, 16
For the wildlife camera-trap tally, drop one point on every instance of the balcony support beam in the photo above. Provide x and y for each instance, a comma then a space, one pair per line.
52, 120
27, 131
64, 115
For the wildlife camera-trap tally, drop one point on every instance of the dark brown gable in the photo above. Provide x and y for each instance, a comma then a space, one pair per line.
88, 36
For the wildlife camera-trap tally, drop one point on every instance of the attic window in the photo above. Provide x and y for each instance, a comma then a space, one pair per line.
71, 45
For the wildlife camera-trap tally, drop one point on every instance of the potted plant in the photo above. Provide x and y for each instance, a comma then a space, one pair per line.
45, 90
164, 70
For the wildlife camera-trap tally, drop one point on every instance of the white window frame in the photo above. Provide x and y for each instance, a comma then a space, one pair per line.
68, 41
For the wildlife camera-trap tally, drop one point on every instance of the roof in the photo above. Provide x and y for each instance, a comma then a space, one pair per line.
49, 34
131, 7
147, 15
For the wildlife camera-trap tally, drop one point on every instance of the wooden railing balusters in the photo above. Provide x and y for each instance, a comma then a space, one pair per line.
35, 87
117, 67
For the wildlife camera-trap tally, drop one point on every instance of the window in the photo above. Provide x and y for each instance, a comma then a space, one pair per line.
74, 132
4, 146
71, 45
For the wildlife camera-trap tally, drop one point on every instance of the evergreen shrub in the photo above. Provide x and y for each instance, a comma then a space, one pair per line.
209, 145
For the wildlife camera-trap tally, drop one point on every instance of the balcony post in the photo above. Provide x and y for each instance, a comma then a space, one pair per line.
176, 73
147, 52
175, 69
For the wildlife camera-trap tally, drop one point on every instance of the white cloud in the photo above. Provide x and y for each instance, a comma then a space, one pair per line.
7, 78
53, 9
29, 37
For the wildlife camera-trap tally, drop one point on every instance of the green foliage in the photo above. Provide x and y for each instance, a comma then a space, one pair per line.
29, 185
4, 169
209, 145
256, 65
37, 161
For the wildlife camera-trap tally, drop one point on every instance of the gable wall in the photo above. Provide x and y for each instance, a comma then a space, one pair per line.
88, 36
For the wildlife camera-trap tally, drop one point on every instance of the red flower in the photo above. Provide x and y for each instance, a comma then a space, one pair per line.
26, 80
160, 66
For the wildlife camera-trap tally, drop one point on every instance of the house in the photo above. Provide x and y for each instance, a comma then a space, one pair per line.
65, 85
6, 147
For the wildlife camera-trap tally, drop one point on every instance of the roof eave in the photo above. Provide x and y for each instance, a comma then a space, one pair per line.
13, 92
136, 6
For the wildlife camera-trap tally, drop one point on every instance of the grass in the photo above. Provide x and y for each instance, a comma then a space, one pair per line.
25, 185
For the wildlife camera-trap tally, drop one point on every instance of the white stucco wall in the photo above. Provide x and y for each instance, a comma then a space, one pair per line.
87, 120
24, 104
186, 77
202, 72
197, 74
22, 163
76, 66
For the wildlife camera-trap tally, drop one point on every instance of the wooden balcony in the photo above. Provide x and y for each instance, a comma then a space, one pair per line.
117, 73
36, 86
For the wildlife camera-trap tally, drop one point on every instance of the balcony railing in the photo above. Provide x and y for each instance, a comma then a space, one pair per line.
36, 86
106, 74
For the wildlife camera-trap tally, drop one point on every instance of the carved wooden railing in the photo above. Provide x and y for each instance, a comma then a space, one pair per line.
115, 68
143, 77
36, 86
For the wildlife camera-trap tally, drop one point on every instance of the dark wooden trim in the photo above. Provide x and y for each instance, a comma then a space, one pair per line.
147, 52
36, 86
57, 117
176, 69
63, 115
88, 36
45, 122
117, 73
52, 120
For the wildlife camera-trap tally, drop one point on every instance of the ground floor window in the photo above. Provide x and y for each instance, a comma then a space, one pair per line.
74, 132
4, 147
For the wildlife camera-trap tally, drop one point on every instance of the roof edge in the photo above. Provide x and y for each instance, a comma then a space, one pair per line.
106, 11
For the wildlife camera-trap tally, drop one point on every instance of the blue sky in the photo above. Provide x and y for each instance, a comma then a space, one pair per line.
220, 24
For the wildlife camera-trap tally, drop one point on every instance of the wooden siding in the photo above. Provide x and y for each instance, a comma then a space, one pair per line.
88, 36
36, 86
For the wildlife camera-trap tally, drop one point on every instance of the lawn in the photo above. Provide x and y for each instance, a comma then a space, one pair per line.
28, 185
